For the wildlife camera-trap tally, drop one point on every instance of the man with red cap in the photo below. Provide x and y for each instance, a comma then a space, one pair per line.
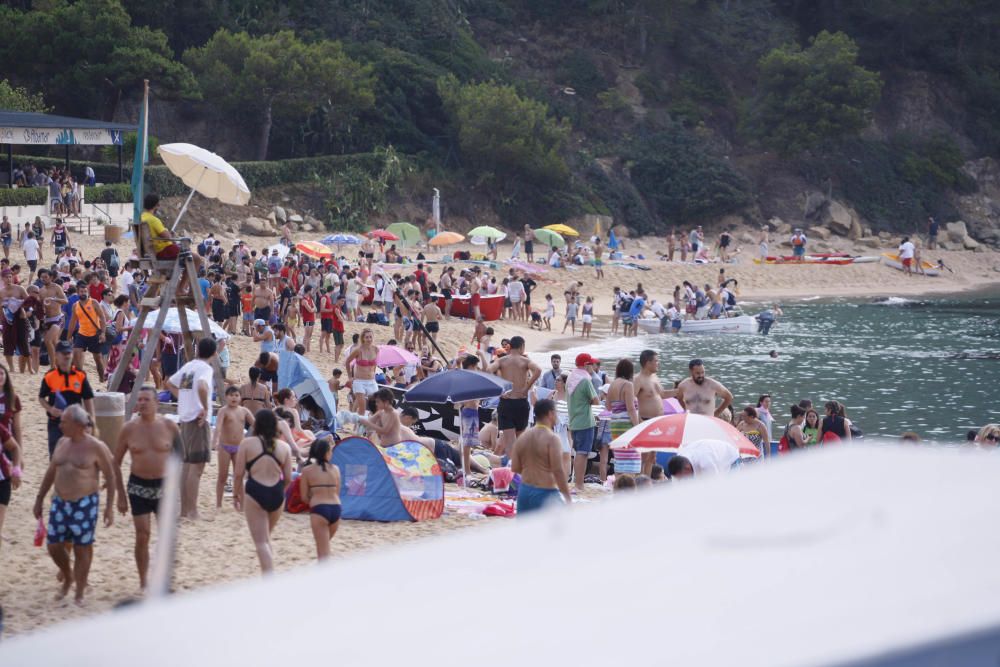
580, 395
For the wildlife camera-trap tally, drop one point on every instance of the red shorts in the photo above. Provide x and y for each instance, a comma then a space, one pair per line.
170, 252
476, 298
908, 262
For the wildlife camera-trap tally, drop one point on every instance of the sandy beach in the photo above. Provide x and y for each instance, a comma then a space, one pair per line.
217, 549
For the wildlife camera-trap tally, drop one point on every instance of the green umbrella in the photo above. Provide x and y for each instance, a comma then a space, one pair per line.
486, 232
408, 234
549, 238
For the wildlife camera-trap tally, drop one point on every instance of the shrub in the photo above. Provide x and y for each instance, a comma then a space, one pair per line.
579, 70
266, 174
115, 193
23, 196
682, 182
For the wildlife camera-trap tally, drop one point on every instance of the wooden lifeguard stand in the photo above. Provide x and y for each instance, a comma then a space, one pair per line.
163, 281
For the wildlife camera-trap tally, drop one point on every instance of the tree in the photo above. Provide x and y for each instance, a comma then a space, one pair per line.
279, 77
506, 139
811, 95
87, 55
19, 99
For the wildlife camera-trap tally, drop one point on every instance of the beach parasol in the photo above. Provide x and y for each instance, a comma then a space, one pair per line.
340, 239
670, 432
313, 249
393, 355
408, 234
172, 324
204, 172
549, 238
446, 238
457, 385
564, 230
487, 232
383, 235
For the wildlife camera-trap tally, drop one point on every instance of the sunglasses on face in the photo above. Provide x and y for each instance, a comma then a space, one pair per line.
993, 437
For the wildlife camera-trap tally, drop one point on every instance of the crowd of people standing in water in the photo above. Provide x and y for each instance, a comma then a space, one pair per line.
552, 428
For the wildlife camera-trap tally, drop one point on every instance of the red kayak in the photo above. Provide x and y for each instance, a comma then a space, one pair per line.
491, 307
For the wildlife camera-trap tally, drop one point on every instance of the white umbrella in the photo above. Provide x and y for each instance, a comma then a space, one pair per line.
205, 172
172, 324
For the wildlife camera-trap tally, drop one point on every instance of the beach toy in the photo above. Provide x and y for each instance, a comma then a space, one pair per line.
40, 533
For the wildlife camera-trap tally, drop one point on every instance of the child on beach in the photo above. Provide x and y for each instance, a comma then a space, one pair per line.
479, 331
230, 428
550, 312
588, 317
572, 306
246, 303
486, 343
335, 386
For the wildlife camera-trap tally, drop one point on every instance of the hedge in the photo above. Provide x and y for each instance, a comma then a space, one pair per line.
266, 174
115, 193
23, 196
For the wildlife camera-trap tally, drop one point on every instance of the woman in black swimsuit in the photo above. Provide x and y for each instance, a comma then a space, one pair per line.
267, 463
320, 485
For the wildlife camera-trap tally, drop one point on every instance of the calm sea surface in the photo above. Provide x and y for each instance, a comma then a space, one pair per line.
931, 366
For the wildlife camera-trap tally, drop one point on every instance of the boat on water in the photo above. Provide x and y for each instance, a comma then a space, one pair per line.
738, 324
893, 262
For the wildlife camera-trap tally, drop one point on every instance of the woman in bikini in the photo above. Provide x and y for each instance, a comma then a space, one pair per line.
621, 403
320, 486
230, 428
361, 368
254, 394
267, 464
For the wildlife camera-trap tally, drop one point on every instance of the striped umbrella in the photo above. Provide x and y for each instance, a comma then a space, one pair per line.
313, 249
669, 432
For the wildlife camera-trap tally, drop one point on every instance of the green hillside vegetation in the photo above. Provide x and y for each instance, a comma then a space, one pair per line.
543, 109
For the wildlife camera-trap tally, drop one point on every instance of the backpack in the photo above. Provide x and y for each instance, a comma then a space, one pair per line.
274, 265
114, 263
202, 249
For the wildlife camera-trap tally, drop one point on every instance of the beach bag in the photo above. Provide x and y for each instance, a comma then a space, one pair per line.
829, 437
114, 263
448, 470
293, 498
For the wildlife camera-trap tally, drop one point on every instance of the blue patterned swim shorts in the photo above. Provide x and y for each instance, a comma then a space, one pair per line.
74, 520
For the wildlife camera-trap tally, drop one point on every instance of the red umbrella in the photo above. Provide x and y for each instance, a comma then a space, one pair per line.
383, 234
669, 432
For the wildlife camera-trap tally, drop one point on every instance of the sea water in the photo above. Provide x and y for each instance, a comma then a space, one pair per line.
926, 365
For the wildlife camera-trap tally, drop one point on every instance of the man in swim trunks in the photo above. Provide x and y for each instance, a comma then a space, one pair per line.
537, 457
75, 470
598, 258
432, 320
150, 440
15, 328
697, 393
513, 411
53, 299
447, 285
649, 395
263, 302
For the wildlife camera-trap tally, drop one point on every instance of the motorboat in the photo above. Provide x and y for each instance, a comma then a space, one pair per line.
736, 324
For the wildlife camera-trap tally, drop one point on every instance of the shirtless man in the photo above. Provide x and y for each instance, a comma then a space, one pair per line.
385, 421
150, 440
231, 424
432, 320
537, 457
53, 299
512, 414
76, 467
697, 393
650, 394
598, 250
263, 302
447, 286
15, 332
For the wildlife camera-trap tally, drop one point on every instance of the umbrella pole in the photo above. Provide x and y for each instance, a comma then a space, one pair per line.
183, 210
406, 303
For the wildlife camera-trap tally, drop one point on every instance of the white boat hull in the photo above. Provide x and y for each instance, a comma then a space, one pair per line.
743, 324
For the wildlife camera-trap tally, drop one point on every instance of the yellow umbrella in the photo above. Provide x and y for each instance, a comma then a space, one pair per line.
314, 249
562, 229
446, 238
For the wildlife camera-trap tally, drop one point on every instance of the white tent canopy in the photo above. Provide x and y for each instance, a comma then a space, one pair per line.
829, 557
